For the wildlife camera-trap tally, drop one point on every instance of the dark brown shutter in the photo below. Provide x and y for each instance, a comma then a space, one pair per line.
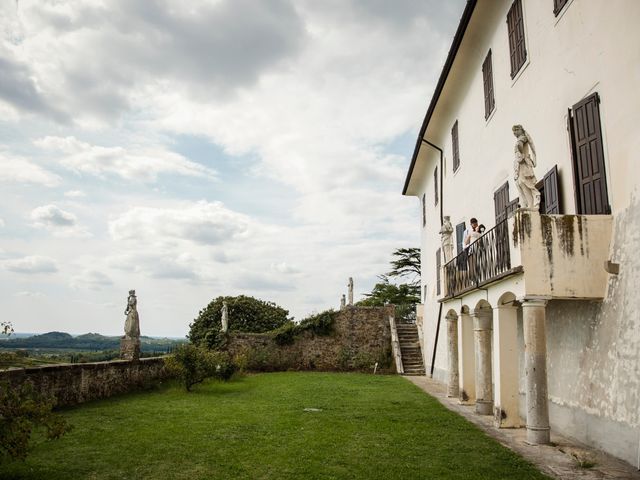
438, 266
512, 206
551, 191
500, 202
558, 5
460, 236
456, 147
424, 209
487, 78
435, 183
588, 158
515, 29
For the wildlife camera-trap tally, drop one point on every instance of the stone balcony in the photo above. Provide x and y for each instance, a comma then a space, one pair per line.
548, 256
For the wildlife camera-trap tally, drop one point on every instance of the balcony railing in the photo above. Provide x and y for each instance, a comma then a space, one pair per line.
485, 259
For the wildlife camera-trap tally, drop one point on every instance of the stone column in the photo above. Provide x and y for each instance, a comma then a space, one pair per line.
467, 362
482, 335
505, 361
535, 370
453, 388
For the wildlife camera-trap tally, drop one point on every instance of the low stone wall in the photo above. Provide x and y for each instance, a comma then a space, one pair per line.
73, 383
361, 337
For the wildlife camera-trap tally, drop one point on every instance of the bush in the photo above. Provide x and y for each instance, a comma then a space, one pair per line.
193, 364
246, 314
318, 324
22, 409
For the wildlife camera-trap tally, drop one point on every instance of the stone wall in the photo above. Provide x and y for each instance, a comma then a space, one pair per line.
361, 337
74, 383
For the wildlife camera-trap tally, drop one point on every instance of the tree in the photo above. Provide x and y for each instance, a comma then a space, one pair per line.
6, 328
193, 364
406, 263
246, 314
21, 409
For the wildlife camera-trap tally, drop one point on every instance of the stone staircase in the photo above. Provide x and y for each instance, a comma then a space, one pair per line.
410, 349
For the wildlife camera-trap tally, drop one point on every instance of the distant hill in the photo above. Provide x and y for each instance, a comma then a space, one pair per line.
87, 341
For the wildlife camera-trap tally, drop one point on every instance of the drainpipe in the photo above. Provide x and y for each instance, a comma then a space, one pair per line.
441, 197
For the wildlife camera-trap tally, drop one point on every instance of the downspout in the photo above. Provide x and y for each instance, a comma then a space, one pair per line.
441, 197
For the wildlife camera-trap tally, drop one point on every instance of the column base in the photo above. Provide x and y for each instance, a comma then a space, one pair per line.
484, 407
538, 435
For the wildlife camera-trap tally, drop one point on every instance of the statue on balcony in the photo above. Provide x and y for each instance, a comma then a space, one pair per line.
446, 238
523, 165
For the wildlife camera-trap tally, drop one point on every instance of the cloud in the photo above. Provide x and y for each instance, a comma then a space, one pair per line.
91, 280
57, 221
31, 265
161, 264
201, 223
16, 170
137, 164
283, 267
75, 194
29, 294
1, 223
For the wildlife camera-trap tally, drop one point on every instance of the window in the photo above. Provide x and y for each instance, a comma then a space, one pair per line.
487, 77
549, 192
435, 183
515, 26
460, 236
500, 202
558, 5
438, 266
456, 148
424, 209
425, 294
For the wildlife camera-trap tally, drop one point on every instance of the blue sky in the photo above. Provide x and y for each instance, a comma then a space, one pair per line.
190, 149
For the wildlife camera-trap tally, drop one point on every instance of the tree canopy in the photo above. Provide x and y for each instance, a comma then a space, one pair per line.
246, 314
406, 263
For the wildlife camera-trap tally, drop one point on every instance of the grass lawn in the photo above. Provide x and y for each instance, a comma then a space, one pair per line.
256, 427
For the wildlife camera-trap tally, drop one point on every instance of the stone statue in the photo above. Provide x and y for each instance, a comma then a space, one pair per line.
446, 238
525, 161
130, 343
343, 301
132, 323
350, 285
225, 316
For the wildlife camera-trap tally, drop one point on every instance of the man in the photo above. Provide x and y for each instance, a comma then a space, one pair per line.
466, 238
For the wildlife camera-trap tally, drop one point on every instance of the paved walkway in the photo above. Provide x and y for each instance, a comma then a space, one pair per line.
561, 461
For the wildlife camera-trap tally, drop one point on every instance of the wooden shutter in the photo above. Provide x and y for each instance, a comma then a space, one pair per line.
558, 5
424, 209
515, 29
588, 157
500, 202
460, 236
487, 78
438, 267
456, 147
435, 183
512, 206
551, 191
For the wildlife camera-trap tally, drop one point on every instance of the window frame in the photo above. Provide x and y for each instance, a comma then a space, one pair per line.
455, 146
489, 90
517, 38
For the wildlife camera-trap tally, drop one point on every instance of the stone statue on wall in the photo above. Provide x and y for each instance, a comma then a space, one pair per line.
225, 316
523, 165
446, 238
350, 285
343, 302
130, 343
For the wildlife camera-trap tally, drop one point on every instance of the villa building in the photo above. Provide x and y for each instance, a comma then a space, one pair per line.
538, 321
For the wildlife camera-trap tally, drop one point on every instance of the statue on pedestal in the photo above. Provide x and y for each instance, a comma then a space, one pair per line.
130, 343
225, 316
350, 286
446, 239
343, 302
525, 161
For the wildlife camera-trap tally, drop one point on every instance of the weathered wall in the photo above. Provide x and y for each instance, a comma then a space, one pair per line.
361, 338
73, 383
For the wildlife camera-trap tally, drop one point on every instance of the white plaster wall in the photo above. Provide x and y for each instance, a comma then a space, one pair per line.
594, 348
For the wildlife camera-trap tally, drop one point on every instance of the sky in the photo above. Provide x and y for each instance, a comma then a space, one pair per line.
189, 149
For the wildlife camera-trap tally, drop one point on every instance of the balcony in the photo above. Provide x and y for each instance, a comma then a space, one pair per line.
552, 256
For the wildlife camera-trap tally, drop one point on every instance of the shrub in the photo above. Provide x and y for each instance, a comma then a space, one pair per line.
193, 364
246, 314
22, 409
318, 324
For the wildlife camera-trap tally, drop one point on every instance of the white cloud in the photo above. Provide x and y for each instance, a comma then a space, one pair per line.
201, 222
91, 280
2, 224
57, 221
15, 170
135, 164
284, 267
75, 194
29, 294
31, 265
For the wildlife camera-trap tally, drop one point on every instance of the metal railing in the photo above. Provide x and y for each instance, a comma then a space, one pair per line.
485, 259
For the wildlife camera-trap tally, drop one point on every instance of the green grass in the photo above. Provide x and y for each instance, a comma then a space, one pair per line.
369, 427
